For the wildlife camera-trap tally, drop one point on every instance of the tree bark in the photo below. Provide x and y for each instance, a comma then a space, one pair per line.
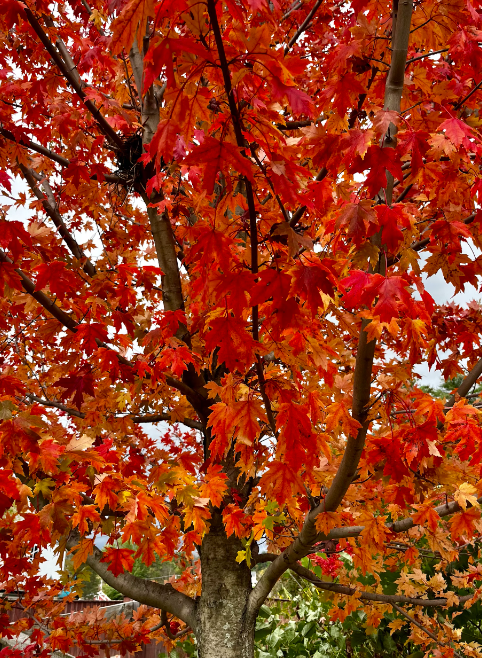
222, 627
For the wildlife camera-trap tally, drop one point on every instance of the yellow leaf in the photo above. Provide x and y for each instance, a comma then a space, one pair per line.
465, 494
241, 556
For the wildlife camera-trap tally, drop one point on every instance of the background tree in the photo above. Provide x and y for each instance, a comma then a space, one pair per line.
230, 210
88, 582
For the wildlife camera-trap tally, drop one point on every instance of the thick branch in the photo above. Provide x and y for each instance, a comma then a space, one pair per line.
161, 230
145, 591
73, 79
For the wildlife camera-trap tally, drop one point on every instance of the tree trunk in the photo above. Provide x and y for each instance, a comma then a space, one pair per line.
222, 628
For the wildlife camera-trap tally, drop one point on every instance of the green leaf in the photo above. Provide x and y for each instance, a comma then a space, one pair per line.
308, 629
264, 612
44, 487
262, 633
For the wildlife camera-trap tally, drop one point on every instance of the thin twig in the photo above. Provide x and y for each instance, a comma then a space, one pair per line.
415, 59
464, 100
304, 26
422, 628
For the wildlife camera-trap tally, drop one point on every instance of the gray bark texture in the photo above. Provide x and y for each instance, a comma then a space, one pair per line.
222, 627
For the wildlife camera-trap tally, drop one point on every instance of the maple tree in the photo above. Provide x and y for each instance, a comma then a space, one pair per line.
229, 213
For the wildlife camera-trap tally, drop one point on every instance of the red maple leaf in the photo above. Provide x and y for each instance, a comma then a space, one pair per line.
79, 383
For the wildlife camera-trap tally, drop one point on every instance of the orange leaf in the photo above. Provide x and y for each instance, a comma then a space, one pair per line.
234, 519
462, 525
82, 553
214, 487
281, 482
86, 513
132, 19
120, 559
426, 514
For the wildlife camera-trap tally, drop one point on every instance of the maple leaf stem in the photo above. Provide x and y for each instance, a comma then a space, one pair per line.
52, 209
73, 79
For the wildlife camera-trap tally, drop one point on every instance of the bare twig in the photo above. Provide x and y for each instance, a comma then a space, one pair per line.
415, 59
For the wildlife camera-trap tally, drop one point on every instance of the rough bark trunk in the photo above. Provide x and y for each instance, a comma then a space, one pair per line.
223, 630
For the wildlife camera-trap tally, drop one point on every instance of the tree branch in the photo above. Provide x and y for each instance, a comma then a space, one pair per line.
298, 214
165, 623
304, 26
466, 98
145, 591
55, 157
422, 627
149, 418
363, 369
73, 80
50, 306
52, 210
415, 59
238, 131
308, 575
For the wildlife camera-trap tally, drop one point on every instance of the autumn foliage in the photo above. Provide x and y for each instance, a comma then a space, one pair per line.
218, 221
